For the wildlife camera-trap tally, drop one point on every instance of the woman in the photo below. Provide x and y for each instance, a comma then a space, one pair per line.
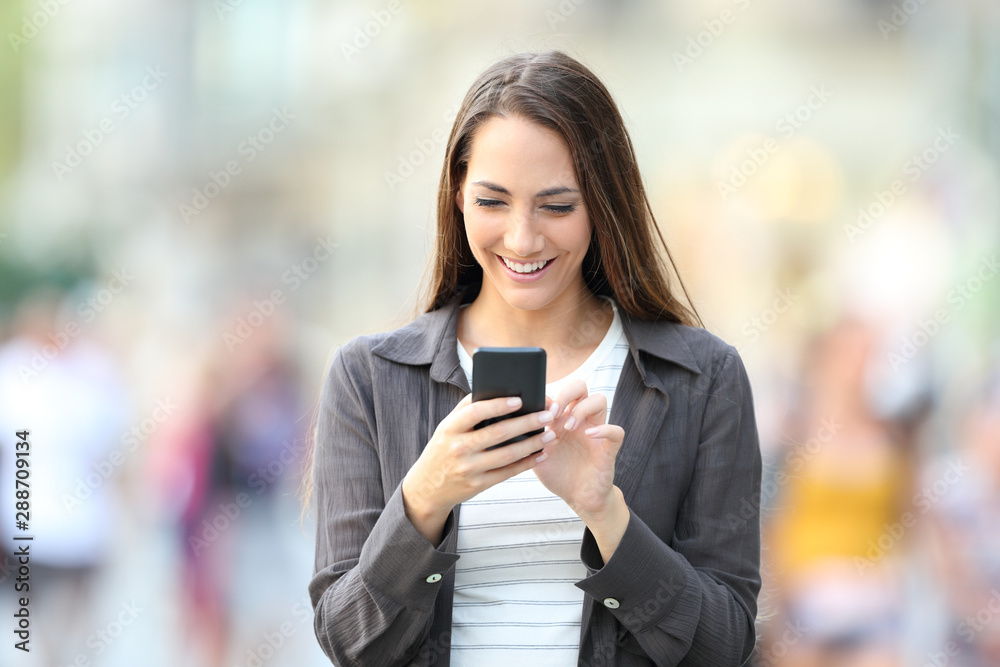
633, 537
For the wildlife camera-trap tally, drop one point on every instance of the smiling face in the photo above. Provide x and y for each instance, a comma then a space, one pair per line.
521, 201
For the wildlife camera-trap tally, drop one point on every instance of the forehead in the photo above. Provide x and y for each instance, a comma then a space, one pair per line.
517, 153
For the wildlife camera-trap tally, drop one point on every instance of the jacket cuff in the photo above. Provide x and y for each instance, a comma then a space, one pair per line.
398, 561
642, 582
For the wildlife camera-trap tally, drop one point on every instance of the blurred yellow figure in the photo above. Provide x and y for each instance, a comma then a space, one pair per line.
846, 505
839, 526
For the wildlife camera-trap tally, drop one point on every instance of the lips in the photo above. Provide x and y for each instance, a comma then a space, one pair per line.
525, 277
538, 264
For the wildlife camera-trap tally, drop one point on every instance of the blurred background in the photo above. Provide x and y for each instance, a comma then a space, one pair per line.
201, 200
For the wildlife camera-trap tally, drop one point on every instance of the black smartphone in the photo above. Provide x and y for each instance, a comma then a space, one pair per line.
510, 371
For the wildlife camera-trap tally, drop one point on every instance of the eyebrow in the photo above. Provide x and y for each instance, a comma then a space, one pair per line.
544, 193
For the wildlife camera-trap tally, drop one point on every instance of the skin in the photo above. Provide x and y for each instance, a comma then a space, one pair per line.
579, 448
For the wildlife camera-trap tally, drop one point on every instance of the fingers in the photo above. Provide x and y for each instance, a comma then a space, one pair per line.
502, 456
472, 412
551, 405
590, 411
574, 390
612, 432
503, 430
516, 468
512, 459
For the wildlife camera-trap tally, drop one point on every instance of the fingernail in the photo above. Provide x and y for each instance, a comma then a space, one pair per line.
591, 431
570, 423
554, 408
545, 417
514, 402
542, 457
548, 436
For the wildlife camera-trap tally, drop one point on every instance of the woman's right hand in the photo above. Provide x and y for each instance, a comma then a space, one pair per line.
455, 465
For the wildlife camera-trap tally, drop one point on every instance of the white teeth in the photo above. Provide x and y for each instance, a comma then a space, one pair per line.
524, 268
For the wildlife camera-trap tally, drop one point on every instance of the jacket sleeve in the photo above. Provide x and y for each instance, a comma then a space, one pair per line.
694, 601
372, 590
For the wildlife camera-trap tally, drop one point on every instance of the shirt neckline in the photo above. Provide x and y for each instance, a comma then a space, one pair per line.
583, 370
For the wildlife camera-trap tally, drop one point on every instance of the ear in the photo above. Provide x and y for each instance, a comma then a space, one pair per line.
460, 198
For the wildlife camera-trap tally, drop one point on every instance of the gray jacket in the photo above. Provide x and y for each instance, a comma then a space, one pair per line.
681, 588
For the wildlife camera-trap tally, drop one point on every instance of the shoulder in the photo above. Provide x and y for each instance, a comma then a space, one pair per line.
708, 349
724, 374
411, 343
693, 348
350, 363
719, 389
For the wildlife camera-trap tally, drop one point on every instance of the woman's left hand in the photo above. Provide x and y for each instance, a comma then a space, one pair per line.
580, 466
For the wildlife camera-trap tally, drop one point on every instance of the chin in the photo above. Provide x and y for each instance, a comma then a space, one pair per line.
523, 300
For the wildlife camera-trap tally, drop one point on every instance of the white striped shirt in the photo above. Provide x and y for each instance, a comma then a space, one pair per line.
520, 551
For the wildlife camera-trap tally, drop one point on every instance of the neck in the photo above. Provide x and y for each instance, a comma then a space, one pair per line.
575, 319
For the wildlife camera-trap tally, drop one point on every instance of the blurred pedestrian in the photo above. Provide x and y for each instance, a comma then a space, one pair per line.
66, 390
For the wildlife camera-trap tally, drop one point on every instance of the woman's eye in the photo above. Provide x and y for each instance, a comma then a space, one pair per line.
553, 208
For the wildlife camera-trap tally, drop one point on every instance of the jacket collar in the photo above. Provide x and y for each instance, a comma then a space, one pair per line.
432, 339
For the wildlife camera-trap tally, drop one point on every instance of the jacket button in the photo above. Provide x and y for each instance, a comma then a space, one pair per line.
611, 603
434, 578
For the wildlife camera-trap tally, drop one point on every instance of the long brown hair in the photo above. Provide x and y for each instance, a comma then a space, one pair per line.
556, 91
623, 262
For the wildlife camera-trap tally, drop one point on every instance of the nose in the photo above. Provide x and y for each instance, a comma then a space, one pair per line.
523, 236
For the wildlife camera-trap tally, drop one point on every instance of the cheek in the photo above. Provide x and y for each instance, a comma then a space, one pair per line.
483, 228
479, 236
473, 232
580, 237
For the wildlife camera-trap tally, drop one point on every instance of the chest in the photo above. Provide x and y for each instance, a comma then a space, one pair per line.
560, 361
654, 465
